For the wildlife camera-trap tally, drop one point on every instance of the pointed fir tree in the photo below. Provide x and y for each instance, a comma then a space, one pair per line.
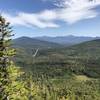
5, 53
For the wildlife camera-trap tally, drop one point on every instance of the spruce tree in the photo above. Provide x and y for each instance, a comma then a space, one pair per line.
5, 54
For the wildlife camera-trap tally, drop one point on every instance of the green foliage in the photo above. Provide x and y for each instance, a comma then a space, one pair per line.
5, 53
59, 67
22, 86
52, 75
19, 87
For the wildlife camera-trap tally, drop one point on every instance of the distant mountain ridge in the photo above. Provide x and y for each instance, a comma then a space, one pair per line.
45, 42
27, 42
67, 40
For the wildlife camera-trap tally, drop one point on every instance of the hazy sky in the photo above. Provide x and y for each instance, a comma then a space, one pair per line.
52, 17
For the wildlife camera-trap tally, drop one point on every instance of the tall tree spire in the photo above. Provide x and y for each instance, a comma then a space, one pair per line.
5, 53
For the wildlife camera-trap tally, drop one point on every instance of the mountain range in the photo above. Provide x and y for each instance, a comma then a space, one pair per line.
66, 40
50, 42
29, 43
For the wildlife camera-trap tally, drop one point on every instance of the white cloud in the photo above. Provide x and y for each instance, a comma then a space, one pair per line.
75, 10
69, 11
41, 20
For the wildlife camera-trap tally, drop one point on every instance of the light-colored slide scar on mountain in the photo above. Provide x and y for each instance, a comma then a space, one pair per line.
34, 54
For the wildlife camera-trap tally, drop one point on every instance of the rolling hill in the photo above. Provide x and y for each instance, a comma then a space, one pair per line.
82, 59
26, 47
26, 42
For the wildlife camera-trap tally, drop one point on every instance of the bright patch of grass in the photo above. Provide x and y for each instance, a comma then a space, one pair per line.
82, 78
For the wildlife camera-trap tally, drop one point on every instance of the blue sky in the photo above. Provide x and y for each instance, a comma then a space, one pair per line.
52, 17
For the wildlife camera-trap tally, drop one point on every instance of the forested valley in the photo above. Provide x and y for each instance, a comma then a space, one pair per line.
38, 72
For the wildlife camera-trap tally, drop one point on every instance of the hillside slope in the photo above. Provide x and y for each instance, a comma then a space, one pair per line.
26, 42
82, 59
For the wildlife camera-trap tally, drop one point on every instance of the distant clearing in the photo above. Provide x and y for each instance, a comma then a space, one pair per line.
82, 78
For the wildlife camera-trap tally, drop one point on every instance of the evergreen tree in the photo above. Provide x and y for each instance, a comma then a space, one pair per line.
5, 53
